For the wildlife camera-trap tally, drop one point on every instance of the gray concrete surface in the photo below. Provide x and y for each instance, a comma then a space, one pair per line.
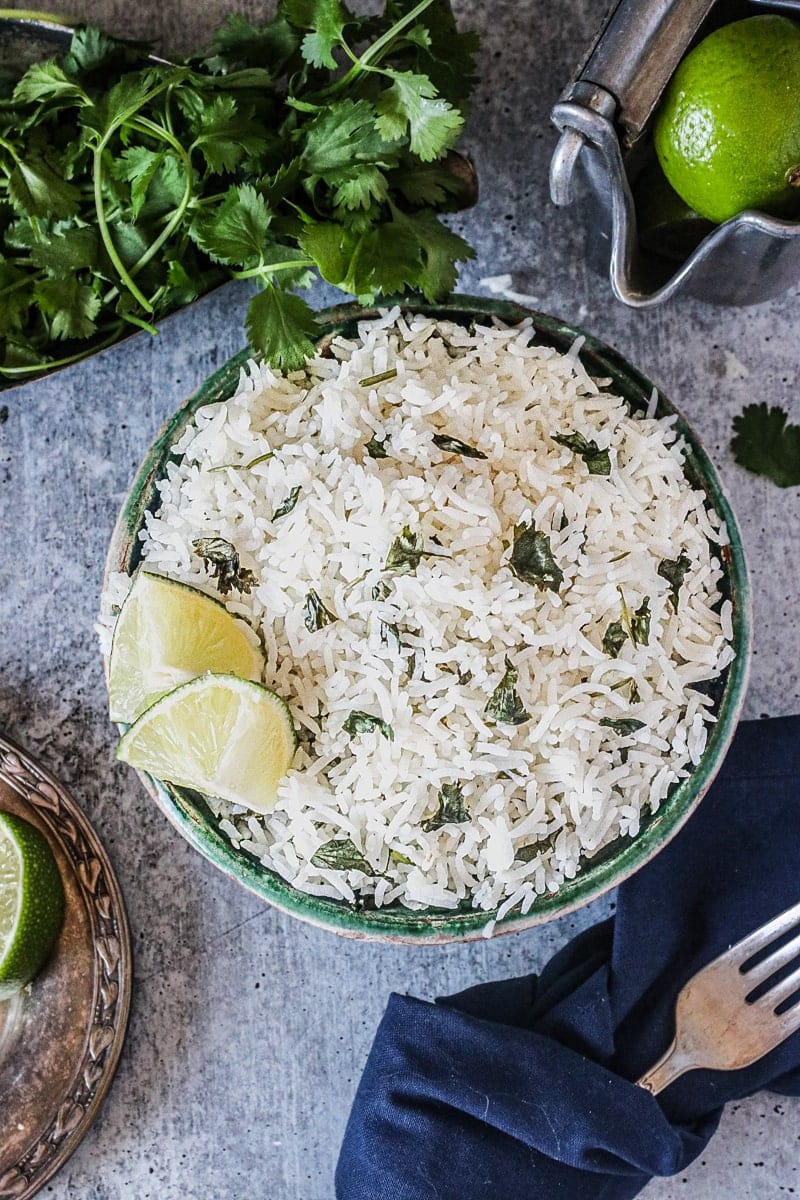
249, 1030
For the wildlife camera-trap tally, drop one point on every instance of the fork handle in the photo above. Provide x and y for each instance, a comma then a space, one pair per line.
669, 1067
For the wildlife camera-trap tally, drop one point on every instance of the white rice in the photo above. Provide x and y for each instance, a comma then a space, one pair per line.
559, 785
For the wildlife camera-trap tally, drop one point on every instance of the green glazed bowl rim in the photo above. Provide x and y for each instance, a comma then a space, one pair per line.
191, 816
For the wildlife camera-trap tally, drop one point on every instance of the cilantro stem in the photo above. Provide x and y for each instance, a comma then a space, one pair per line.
94, 348
269, 268
7, 146
105, 233
21, 283
626, 616
139, 323
364, 61
97, 171
145, 126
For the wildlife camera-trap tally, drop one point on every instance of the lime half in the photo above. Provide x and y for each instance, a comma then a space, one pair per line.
220, 735
166, 634
31, 902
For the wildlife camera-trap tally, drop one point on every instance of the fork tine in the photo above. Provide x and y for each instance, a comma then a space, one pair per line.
761, 938
789, 1022
782, 991
763, 970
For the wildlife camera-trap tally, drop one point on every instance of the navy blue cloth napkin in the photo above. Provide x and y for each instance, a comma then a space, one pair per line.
522, 1089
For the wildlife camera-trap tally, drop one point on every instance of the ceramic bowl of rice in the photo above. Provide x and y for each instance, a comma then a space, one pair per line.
498, 584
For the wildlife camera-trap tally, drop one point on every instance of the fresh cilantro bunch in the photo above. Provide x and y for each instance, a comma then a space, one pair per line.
314, 142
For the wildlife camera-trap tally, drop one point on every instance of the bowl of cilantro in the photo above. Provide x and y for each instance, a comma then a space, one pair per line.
298, 148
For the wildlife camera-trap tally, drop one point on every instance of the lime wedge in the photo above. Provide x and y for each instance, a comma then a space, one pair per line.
220, 735
166, 634
31, 902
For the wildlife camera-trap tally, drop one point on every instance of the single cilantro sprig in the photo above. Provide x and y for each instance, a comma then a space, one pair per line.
765, 443
316, 142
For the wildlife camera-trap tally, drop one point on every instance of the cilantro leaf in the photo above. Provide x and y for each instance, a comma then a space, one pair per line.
20, 352
452, 808
532, 559
451, 445
325, 20
186, 280
317, 615
289, 503
129, 242
597, 460
137, 165
406, 552
428, 184
182, 288
90, 50
227, 133
640, 624
438, 252
446, 55
504, 704
410, 251
47, 81
67, 250
363, 722
234, 231
614, 639
15, 298
36, 189
766, 444
332, 248
282, 327
276, 187
359, 188
343, 134
127, 97
340, 855
350, 260
222, 562
72, 305
238, 41
411, 102
674, 571
626, 726
387, 262
165, 189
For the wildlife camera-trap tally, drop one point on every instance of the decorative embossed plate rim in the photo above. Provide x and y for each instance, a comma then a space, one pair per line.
56, 1132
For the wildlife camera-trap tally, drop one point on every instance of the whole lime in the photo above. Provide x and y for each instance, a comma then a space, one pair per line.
727, 133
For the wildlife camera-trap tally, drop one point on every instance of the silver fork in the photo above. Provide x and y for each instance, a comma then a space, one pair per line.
717, 1025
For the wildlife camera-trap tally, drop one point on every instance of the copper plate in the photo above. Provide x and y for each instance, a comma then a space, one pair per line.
60, 1039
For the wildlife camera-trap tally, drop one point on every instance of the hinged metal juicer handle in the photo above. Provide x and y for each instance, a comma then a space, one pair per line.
623, 77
